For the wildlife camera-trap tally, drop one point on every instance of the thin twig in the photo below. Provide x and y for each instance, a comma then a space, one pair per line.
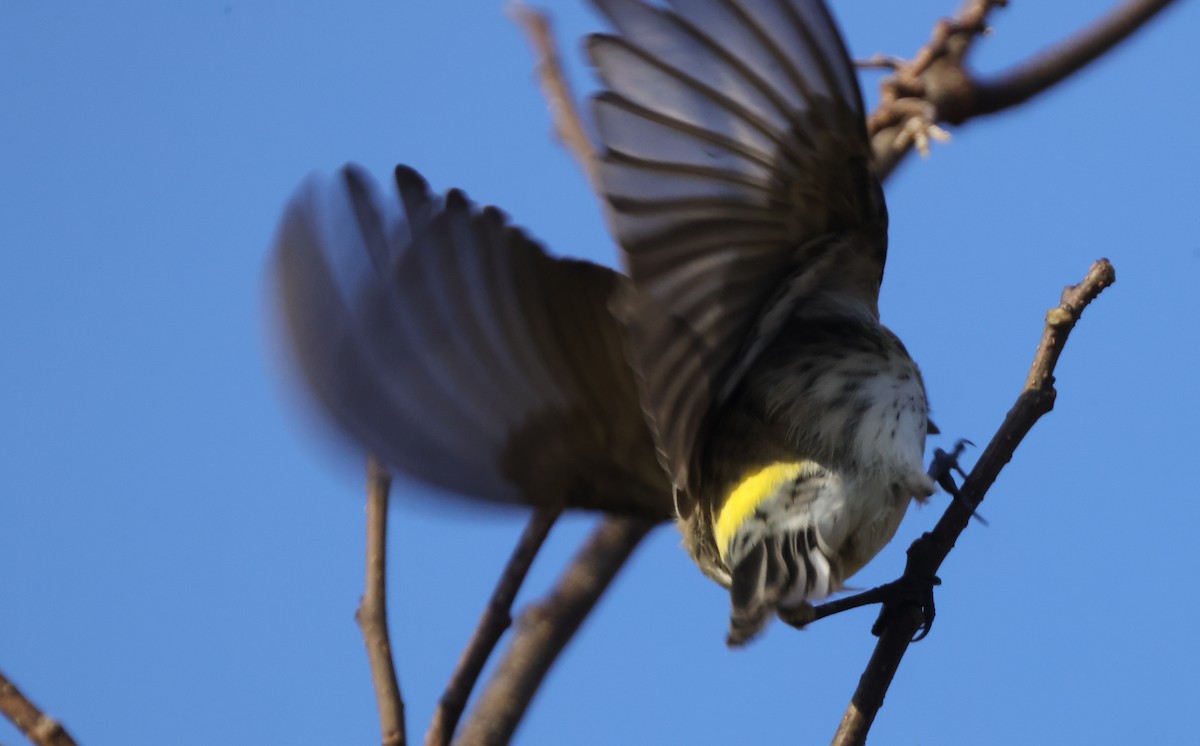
805, 617
879, 61
496, 619
936, 86
544, 630
568, 124
38, 727
926, 554
372, 609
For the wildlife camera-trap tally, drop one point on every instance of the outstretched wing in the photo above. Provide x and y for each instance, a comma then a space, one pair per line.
735, 151
448, 344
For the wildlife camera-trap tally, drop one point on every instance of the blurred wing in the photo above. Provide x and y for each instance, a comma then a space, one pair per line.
448, 344
676, 389
734, 145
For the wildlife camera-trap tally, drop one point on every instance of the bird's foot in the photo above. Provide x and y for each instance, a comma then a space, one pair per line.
942, 470
905, 593
895, 598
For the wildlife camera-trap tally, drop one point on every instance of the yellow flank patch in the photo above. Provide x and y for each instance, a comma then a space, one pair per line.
752, 491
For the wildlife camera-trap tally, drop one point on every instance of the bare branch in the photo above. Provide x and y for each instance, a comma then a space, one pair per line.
372, 609
936, 85
497, 618
927, 553
1026, 80
544, 630
568, 124
910, 98
38, 727
879, 61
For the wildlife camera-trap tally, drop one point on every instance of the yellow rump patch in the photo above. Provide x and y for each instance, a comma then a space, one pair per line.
751, 492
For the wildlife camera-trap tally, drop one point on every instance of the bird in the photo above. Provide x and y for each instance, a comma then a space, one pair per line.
734, 377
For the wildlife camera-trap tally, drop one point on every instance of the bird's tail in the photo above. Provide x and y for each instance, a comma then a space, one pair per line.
769, 535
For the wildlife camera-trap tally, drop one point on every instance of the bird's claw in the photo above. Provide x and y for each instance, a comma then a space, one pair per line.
942, 471
908, 591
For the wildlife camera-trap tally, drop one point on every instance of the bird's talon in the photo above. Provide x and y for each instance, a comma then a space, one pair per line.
904, 592
942, 471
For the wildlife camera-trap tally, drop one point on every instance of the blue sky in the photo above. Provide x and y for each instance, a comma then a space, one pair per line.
182, 550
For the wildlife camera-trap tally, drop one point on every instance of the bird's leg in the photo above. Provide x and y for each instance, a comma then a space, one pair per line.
894, 596
805, 614
942, 469
912, 589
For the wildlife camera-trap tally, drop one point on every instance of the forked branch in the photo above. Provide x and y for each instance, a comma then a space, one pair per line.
937, 86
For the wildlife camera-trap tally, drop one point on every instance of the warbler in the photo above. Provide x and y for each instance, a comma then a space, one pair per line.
735, 378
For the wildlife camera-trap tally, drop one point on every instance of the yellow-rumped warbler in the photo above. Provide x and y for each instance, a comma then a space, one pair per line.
737, 378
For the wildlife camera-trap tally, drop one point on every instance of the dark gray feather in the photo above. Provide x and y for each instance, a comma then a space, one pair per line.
734, 137
447, 343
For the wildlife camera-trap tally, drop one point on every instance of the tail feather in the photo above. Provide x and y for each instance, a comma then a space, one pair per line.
778, 571
776, 556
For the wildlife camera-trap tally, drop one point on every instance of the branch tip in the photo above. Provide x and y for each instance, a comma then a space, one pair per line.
372, 609
927, 553
568, 124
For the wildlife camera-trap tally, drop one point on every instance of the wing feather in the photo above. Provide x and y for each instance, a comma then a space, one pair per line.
734, 140
447, 343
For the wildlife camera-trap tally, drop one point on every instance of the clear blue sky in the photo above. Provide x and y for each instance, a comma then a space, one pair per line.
182, 553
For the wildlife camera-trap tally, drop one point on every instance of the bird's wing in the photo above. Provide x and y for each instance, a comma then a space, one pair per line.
734, 146
448, 344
